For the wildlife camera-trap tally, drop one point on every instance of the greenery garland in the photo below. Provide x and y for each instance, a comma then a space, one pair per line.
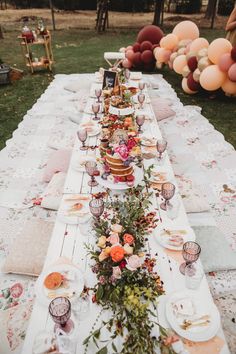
127, 284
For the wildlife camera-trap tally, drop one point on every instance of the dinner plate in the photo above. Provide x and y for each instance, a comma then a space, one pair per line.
95, 129
74, 287
78, 162
121, 185
201, 307
148, 140
66, 213
162, 237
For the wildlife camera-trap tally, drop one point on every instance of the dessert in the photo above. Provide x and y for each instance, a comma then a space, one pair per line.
53, 280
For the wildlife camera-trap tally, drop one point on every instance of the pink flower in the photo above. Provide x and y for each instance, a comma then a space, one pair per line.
122, 150
133, 262
116, 272
16, 290
131, 143
113, 238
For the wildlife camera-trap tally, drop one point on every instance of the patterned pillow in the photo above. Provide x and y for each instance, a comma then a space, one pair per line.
163, 111
58, 162
28, 251
53, 192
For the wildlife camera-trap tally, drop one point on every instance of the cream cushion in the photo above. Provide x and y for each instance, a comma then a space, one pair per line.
28, 251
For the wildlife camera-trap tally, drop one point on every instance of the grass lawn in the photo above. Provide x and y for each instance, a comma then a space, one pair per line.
78, 51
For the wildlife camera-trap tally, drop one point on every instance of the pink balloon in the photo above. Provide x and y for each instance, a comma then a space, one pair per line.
129, 54
162, 55
169, 42
129, 47
179, 63
186, 30
212, 78
217, 48
127, 63
229, 87
232, 73
198, 44
225, 62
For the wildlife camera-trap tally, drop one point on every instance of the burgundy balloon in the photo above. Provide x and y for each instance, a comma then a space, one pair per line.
137, 61
192, 63
150, 33
192, 84
233, 53
147, 57
146, 45
136, 47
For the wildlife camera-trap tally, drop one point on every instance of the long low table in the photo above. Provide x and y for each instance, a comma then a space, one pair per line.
68, 245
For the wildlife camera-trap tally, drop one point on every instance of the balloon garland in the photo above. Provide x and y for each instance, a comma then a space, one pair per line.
203, 65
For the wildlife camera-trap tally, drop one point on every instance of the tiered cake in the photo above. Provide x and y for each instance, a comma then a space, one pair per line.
117, 167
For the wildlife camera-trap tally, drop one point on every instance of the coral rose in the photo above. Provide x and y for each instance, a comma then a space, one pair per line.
117, 253
128, 238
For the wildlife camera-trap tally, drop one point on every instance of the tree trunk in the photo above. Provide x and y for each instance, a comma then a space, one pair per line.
210, 11
102, 15
157, 12
53, 17
1, 34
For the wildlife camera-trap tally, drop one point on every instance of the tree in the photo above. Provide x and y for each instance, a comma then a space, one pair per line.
211, 9
159, 5
52, 12
102, 15
1, 33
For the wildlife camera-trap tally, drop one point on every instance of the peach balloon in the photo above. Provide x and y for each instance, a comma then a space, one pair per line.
229, 87
203, 63
181, 51
179, 63
162, 55
232, 73
190, 55
212, 78
186, 30
127, 63
159, 65
170, 63
225, 62
186, 71
217, 48
198, 44
129, 47
129, 54
156, 50
185, 87
122, 50
196, 75
173, 56
169, 42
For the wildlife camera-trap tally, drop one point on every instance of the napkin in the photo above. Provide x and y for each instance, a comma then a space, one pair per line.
212, 346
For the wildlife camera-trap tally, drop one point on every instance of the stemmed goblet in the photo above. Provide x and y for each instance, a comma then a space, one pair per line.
91, 168
161, 145
167, 192
98, 93
191, 252
141, 86
127, 75
60, 311
141, 99
140, 119
82, 136
95, 109
96, 207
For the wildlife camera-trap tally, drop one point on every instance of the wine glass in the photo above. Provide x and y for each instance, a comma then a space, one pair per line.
167, 192
96, 207
161, 145
95, 109
60, 311
141, 99
91, 168
98, 93
127, 75
140, 119
82, 136
141, 86
191, 252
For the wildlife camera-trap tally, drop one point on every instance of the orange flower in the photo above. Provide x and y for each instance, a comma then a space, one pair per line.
117, 253
128, 238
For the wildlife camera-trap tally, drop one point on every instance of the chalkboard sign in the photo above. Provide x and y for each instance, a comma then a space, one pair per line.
109, 79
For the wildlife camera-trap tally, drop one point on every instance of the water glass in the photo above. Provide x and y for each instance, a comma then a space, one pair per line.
191, 252
95, 109
172, 209
98, 93
141, 99
141, 86
82, 136
140, 119
60, 311
193, 275
127, 75
44, 341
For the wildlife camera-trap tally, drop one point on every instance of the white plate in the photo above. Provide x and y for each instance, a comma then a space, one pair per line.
152, 141
162, 239
76, 285
95, 128
202, 307
79, 217
76, 162
138, 172
121, 111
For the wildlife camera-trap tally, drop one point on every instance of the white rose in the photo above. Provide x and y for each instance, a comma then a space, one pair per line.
116, 228
128, 249
133, 262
